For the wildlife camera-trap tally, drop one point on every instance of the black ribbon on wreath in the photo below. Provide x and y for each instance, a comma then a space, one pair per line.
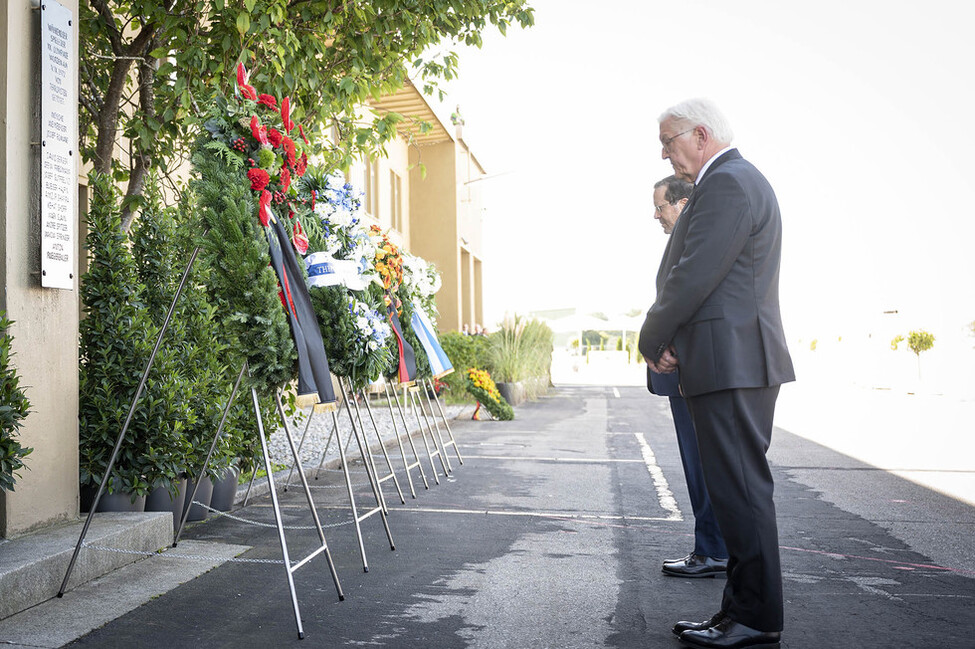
406, 364
314, 379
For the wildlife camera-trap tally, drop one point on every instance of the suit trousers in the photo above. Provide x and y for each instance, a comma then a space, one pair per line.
734, 429
707, 533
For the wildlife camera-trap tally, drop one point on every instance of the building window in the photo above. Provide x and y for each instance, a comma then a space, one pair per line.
396, 201
371, 187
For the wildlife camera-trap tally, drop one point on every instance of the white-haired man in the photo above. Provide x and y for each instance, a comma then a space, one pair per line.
716, 314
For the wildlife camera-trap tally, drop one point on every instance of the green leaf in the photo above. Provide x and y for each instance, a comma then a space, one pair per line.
243, 24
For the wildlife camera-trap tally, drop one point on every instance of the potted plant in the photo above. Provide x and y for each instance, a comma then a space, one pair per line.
14, 407
117, 335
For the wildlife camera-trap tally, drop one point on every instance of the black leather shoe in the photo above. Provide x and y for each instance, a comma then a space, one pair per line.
728, 634
683, 625
695, 565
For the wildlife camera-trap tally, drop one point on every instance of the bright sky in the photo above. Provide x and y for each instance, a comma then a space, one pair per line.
859, 113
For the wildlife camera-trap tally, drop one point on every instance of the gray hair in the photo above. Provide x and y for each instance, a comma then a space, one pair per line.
701, 112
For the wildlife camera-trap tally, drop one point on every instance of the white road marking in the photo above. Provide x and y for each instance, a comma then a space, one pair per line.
586, 460
616, 393
501, 512
664, 495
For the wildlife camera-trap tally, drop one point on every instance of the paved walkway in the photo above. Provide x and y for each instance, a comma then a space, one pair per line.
551, 535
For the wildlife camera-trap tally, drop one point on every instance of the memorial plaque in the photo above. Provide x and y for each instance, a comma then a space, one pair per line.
59, 150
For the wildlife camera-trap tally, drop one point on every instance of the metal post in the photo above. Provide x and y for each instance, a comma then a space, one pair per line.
382, 447
379, 509
213, 446
365, 453
328, 443
287, 483
277, 514
128, 420
408, 396
434, 434
355, 513
437, 436
409, 438
443, 417
295, 452
399, 441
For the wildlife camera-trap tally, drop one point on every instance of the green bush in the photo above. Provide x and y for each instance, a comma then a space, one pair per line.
14, 407
161, 248
464, 353
117, 336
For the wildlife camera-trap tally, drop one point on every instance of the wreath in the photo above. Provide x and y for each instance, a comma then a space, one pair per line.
481, 386
342, 279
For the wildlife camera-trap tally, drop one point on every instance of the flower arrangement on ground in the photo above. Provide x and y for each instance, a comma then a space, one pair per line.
481, 386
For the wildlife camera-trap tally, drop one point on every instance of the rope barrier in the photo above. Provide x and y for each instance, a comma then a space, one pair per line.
178, 555
272, 525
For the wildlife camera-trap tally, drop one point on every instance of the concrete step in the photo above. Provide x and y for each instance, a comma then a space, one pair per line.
57, 622
32, 567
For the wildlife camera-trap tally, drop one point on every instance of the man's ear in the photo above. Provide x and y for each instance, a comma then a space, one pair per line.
681, 204
702, 135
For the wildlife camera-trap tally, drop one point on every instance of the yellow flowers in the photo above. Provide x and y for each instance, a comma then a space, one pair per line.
389, 262
482, 387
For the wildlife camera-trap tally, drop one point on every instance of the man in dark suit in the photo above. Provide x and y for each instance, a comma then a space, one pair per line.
710, 556
716, 315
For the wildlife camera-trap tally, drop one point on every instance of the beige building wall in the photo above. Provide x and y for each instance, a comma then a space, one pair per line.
434, 235
46, 328
386, 183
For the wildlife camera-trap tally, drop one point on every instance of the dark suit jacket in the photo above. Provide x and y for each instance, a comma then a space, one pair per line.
718, 285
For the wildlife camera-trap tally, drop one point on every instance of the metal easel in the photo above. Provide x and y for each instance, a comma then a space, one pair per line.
323, 548
443, 418
382, 446
390, 399
409, 391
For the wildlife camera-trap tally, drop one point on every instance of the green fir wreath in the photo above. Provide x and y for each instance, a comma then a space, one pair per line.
481, 386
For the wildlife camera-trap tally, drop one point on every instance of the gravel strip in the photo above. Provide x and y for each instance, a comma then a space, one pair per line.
316, 429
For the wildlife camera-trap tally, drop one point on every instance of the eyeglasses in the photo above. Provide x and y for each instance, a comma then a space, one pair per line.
660, 208
666, 143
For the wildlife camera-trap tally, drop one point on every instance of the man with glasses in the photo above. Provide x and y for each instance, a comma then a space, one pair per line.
710, 556
716, 315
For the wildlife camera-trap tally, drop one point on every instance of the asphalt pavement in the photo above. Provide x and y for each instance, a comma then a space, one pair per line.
551, 535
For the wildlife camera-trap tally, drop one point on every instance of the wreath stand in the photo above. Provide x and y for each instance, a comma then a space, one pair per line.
371, 458
286, 560
390, 398
365, 453
438, 444
443, 417
379, 480
361, 394
410, 397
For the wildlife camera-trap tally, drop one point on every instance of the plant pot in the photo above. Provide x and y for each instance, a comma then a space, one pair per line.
120, 502
203, 495
160, 500
513, 393
225, 490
